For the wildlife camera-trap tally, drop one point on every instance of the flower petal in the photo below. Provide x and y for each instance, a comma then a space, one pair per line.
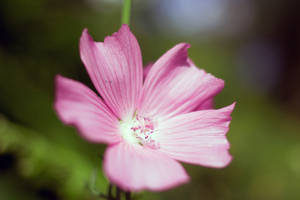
208, 104
115, 68
197, 137
174, 85
146, 70
134, 168
79, 106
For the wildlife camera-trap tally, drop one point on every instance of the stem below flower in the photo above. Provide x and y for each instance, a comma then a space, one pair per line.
127, 196
109, 193
118, 193
126, 12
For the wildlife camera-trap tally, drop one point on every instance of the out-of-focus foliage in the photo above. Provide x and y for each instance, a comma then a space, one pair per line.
40, 158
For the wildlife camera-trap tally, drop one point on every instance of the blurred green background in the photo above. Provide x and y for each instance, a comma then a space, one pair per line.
253, 45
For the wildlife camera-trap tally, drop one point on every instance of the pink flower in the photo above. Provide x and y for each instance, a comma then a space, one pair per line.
149, 125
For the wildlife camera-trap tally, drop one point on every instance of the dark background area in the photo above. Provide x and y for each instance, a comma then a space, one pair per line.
253, 45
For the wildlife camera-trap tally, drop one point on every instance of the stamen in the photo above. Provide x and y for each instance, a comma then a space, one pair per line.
141, 131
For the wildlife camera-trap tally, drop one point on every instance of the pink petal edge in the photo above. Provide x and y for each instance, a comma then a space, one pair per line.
134, 168
77, 105
146, 70
174, 85
206, 105
198, 137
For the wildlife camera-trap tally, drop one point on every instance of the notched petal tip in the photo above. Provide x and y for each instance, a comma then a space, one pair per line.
176, 56
182, 48
123, 31
85, 30
233, 104
57, 77
84, 33
86, 41
85, 36
184, 45
229, 109
125, 27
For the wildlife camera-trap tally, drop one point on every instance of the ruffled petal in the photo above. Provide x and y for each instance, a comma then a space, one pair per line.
134, 168
174, 85
197, 137
79, 106
115, 68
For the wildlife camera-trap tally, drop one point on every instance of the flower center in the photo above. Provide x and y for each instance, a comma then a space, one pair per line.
140, 130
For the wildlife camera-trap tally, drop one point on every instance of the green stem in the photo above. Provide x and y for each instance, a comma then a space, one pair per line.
109, 193
126, 12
